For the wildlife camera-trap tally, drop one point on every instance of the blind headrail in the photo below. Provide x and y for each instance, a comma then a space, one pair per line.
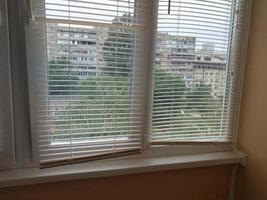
89, 23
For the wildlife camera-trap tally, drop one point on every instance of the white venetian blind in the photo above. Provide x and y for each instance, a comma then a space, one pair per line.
196, 65
91, 85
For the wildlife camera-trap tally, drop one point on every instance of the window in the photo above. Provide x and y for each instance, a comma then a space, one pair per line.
194, 112
89, 114
151, 83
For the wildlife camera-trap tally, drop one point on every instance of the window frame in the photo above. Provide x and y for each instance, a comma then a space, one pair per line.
238, 85
33, 90
7, 154
30, 148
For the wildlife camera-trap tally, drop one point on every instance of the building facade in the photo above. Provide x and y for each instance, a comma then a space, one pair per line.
81, 46
178, 54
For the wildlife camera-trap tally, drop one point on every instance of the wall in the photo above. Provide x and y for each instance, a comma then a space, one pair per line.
252, 180
209, 183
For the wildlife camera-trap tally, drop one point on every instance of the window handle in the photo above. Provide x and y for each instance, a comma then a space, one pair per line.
169, 7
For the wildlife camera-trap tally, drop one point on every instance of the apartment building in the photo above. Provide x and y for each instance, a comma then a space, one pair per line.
80, 45
178, 54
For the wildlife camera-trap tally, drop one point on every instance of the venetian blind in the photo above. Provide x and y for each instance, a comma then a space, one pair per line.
197, 48
90, 82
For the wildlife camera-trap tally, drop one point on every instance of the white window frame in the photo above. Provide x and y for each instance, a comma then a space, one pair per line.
187, 147
7, 154
33, 90
155, 150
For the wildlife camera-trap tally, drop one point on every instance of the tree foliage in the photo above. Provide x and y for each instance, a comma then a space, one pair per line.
169, 95
62, 80
180, 110
200, 99
119, 47
104, 107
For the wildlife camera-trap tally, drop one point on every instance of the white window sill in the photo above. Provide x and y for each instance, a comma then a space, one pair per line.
107, 168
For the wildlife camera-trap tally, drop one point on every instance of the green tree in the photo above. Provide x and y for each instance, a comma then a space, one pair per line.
200, 99
104, 108
169, 92
62, 80
118, 49
182, 112
201, 115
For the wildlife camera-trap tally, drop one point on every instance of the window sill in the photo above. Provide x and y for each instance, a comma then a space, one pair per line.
107, 168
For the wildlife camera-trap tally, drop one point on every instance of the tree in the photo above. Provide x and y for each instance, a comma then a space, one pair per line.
119, 47
61, 79
182, 112
104, 108
169, 95
202, 116
200, 99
